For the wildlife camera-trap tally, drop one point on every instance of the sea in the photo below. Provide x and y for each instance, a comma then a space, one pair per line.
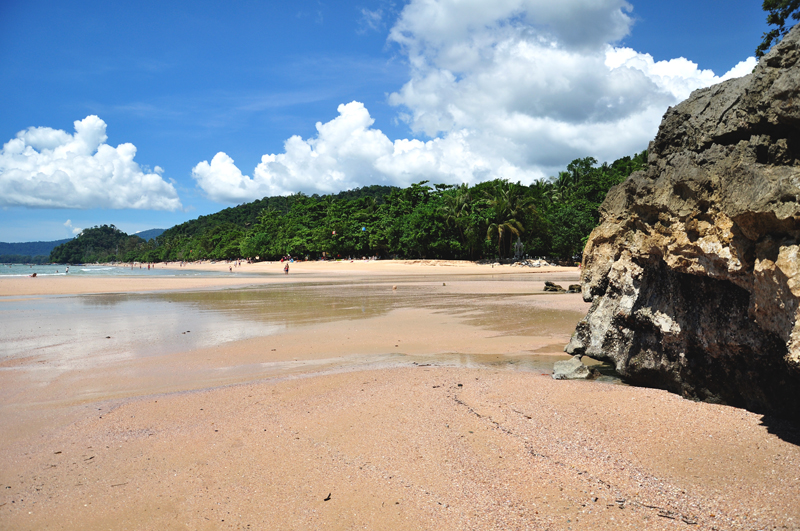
48, 270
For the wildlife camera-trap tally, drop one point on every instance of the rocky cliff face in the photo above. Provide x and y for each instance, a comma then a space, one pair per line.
693, 272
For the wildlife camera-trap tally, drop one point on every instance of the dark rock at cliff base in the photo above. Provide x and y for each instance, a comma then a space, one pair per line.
550, 286
693, 273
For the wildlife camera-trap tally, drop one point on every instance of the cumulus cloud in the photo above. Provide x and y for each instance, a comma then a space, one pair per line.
440, 30
510, 88
548, 85
741, 69
75, 230
50, 168
347, 153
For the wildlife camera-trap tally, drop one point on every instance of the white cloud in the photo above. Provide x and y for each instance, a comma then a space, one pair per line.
741, 69
370, 20
50, 168
439, 28
510, 88
222, 181
676, 77
75, 230
541, 78
348, 153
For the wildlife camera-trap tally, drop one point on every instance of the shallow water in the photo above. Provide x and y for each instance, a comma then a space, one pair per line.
59, 352
74, 331
85, 347
80, 332
55, 270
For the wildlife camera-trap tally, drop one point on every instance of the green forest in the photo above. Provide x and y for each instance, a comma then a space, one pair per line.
552, 218
99, 244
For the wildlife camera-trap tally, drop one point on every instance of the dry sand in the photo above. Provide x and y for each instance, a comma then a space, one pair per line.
407, 418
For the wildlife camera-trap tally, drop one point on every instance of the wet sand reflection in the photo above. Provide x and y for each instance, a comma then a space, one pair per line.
63, 351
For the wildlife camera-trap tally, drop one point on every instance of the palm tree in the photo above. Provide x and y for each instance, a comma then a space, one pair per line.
369, 205
501, 229
456, 208
457, 211
510, 205
563, 187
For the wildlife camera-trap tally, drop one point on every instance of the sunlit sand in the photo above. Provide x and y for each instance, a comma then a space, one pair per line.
385, 395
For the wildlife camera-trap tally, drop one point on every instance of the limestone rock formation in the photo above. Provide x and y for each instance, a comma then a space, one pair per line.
572, 369
693, 273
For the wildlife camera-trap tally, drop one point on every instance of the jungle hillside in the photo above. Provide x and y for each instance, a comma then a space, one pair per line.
552, 218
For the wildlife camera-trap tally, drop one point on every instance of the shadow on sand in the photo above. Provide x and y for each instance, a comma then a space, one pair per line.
787, 430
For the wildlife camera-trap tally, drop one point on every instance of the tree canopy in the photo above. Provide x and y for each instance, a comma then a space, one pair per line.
552, 217
98, 244
778, 12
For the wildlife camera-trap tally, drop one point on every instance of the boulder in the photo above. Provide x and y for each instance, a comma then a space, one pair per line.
574, 288
572, 369
693, 272
549, 286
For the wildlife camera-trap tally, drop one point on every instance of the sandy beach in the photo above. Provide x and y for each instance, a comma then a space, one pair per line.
371, 395
261, 273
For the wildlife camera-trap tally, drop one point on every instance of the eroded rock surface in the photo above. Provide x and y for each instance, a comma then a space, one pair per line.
693, 272
572, 369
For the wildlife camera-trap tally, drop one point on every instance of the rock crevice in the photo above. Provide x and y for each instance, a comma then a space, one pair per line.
693, 272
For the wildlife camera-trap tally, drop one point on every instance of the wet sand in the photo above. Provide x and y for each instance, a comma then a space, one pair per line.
263, 273
421, 407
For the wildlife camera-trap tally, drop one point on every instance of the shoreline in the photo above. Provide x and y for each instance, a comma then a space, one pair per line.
260, 273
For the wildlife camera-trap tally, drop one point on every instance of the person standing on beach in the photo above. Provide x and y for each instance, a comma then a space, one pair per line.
286, 268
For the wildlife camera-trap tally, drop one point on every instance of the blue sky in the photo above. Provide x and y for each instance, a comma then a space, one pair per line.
227, 102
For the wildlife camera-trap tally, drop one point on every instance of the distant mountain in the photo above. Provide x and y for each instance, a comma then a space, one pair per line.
30, 248
148, 235
39, 252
